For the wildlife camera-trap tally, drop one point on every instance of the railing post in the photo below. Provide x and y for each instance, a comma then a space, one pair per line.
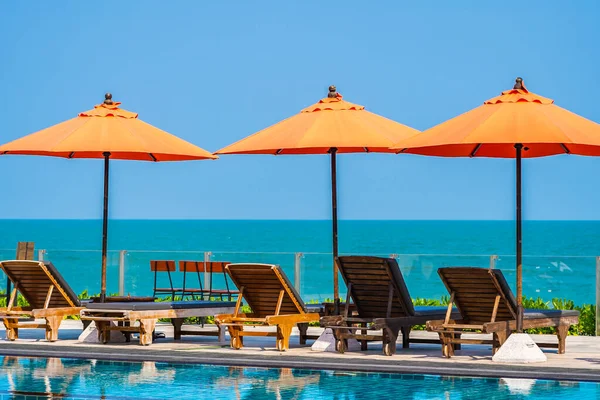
122, 255
207, 277
597, 296
298, 271
41, 254
493, 260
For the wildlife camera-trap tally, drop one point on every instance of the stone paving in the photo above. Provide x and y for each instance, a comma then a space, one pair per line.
581, 362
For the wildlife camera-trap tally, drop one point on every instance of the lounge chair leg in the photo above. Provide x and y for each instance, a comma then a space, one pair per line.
236, 341
341, 345
12, 333
389, 341
447, 349
406, 336
177, 324
146, 329
303, 328
443, 342
363, 343
125, 333
284, 332
103, 332
499, 339
457, 346
52, 324
562, 332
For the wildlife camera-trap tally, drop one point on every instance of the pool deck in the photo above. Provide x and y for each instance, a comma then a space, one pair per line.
581, 362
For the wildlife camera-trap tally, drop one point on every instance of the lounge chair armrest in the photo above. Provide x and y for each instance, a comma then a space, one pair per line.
432, 326
226, 318
530, 323
4, 310
14, 312
56, 312
332, 320
292, 318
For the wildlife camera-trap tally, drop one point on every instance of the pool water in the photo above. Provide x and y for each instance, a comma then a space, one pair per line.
33, 378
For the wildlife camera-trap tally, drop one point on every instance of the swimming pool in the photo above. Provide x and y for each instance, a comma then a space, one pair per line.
31, 378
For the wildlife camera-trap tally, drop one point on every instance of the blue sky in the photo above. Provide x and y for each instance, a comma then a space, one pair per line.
214, 72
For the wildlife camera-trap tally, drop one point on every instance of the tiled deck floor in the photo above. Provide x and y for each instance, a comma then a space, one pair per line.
581, 362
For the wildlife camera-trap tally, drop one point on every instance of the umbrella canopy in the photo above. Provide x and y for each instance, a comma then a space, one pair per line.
516, 116
106, 128
515, 124
106, 132
330, 126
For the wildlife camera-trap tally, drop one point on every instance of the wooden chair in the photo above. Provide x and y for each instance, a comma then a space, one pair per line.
273, 302
378, 293
218, 267
25, 251
210, 268
488, 306
48, 295
193, 267
167, 266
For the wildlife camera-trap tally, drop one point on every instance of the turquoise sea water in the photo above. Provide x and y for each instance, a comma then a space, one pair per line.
90, 379
559, 255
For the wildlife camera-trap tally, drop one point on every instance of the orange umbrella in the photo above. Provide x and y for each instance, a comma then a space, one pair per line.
517, 124
107, 132
330, 126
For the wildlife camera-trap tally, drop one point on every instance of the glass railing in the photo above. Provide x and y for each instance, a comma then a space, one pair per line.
419, 272
82, 269
554, 277
128, 272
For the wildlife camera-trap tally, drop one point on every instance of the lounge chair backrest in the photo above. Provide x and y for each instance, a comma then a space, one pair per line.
25, 251
262, 284
371, 278
34, 278
475, 290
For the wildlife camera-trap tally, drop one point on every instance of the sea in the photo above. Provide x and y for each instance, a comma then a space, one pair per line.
559, 256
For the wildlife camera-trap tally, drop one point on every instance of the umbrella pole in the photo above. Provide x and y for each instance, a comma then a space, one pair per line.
104, 228
519, 148
336, 290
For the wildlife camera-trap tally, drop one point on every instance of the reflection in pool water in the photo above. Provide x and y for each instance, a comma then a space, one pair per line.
64, 378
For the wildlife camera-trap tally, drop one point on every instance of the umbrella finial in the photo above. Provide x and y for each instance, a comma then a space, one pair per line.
108, 99
518, 83
332, 92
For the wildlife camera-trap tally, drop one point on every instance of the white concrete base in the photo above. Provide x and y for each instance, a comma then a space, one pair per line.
326, 342
519, 348
90, 335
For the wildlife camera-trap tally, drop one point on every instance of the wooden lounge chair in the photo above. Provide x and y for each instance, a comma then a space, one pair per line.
381, 301
48, 295
141, 317
487, 305
273, 302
